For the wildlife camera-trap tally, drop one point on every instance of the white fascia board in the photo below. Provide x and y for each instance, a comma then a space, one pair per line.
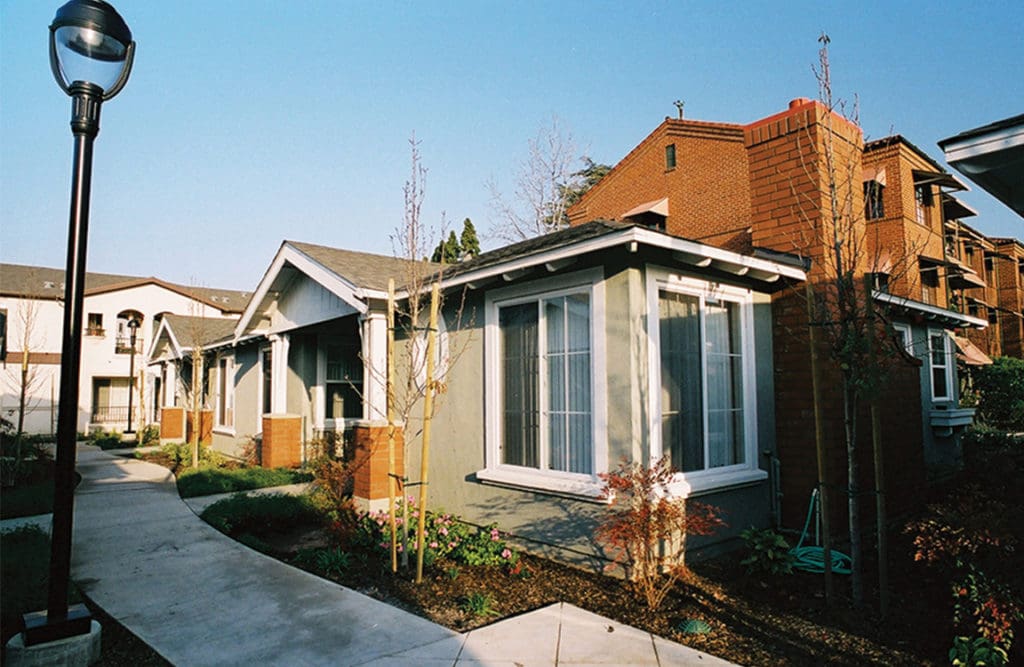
316, 271
740, 262
990, 142
926, 310
176, 348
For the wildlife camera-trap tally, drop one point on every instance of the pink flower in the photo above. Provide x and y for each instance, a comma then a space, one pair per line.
443, 531
506, 553
451, 545
433, 545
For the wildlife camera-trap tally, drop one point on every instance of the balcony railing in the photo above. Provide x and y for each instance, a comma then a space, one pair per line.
123, 345
110, 414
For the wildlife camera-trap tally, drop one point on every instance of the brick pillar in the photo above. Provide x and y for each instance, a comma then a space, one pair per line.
282, 441
370, 462
206, 426
172, 424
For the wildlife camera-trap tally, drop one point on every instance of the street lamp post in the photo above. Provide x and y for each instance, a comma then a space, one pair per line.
91, 53
133, 328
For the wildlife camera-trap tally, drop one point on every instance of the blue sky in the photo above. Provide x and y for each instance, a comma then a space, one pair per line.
246, 123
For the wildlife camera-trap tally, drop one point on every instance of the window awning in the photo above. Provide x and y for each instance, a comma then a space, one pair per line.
966, 280
953, 208
972, 299
942, 179
969, 353
659, 206
876, 174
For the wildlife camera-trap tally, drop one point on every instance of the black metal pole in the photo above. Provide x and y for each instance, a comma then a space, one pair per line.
85, 124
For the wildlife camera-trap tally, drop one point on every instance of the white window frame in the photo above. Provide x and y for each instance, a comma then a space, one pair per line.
908, 336
225, 362
710, 479
947, 355
261, 355
587, 486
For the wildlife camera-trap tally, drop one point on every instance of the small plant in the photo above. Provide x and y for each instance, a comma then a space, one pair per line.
645, 529
333, 561
693, 626
453, 572
976, 652
769, 552
478, 605
149, 435
180, 454
485, 547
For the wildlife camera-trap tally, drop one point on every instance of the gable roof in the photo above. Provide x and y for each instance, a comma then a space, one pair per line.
39, 282
186, 331
363, 270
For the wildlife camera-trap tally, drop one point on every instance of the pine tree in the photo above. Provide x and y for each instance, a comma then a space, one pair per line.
470, 244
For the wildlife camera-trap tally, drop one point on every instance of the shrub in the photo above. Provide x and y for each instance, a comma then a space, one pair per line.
207, 481
989, 605
976, 652
149, 435
1000, 386
770, 553
106, 440
180, 454
645, 529
260, 515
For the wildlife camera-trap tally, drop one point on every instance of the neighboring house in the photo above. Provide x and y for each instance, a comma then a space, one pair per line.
565, 354
111, 302
757, 188
993, 157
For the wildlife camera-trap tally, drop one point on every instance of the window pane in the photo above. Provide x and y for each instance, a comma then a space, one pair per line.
725, 385
567, 320
682, 411
520, 405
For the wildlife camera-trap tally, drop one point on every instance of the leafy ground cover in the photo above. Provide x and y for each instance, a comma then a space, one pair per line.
208, 481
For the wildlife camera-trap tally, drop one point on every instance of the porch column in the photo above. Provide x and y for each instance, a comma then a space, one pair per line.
170, 385
279, 372
375, 360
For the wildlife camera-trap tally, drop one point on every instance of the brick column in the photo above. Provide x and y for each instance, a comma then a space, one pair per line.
370, 462
172, 424
205, 424
282, 441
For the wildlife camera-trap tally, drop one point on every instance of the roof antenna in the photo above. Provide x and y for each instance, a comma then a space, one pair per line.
679, 104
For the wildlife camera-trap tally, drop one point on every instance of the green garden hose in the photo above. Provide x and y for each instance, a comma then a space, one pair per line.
812, 559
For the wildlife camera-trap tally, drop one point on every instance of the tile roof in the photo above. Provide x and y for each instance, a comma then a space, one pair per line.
19, 280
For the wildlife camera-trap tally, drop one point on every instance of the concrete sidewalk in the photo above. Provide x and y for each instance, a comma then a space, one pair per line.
199, 598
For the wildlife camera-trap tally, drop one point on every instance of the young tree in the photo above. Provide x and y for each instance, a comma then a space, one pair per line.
418, 370
27, 378
547, 183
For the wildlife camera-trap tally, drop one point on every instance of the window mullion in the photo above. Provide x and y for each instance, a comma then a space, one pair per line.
705, 406
543, 404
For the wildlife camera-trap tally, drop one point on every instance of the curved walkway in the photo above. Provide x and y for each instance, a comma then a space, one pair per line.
199, 598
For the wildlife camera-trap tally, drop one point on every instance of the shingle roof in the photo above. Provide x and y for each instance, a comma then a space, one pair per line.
561, 238
364, 270
188, 329
41, 282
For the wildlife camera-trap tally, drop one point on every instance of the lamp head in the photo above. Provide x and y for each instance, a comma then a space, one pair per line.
91, 44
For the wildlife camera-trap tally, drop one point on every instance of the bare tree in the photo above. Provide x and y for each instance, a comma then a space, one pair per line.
26, 379
547, 183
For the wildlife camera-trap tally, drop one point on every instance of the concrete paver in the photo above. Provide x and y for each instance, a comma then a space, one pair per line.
199, 598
